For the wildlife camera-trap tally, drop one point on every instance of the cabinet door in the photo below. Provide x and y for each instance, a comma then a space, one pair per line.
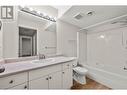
67, 79
124, 37
55, 80
40, 83
22, 86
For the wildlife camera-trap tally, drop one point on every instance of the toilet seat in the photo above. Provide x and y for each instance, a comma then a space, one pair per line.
80, 70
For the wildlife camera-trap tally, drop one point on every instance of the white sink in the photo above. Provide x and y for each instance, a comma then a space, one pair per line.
43, 60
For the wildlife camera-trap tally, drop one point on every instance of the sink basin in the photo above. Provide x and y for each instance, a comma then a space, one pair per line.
43, 60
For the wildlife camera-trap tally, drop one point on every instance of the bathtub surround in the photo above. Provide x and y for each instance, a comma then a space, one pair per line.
106, 57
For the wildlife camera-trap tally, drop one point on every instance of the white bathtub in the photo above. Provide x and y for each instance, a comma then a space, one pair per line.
110, 77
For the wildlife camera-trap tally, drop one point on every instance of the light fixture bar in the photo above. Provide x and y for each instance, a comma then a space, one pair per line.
36, 13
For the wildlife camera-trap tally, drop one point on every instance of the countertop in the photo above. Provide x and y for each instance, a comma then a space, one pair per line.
22, 66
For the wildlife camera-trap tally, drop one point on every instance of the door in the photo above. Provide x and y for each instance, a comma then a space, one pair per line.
25, 46
41, 83
55, 80
67, 79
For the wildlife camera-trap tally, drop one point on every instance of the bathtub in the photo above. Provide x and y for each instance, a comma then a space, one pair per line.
111, 77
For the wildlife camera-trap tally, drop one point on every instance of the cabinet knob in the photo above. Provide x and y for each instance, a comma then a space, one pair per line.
25, 87
11, 81
68, 65
63, 72
50, 77
47, 79
125, 68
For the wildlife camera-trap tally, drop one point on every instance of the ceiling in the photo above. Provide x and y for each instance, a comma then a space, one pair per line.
62, 9
101, 13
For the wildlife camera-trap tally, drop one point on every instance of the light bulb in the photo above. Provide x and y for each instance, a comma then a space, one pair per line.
38, 12
44, 14
31, 9
102, 36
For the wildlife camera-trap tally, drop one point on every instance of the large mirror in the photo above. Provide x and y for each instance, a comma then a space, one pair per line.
31, 31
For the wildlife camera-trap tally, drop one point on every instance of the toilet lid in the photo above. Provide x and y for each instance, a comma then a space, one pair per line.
80, 69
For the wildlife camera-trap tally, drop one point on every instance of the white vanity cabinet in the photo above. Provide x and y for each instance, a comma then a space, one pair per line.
46, 78
52, 77
52, 81
57, 76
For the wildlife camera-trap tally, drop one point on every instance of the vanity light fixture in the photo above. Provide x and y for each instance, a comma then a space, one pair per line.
37, 13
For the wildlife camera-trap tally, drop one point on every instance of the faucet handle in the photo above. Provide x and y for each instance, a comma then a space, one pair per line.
41, 56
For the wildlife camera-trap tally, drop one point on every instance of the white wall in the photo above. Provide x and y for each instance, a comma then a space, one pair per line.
82, 48
66, 39
10, 40
9, 34
106, 57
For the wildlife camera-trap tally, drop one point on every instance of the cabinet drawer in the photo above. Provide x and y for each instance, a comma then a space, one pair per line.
12, 80
67, 65
20, 87
44, 71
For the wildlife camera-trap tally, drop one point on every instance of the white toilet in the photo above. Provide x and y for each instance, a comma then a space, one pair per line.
79, 74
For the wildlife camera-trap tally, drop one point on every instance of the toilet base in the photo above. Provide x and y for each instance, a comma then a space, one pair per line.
79, 79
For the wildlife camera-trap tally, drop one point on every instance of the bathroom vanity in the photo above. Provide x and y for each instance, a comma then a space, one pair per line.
53, 74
